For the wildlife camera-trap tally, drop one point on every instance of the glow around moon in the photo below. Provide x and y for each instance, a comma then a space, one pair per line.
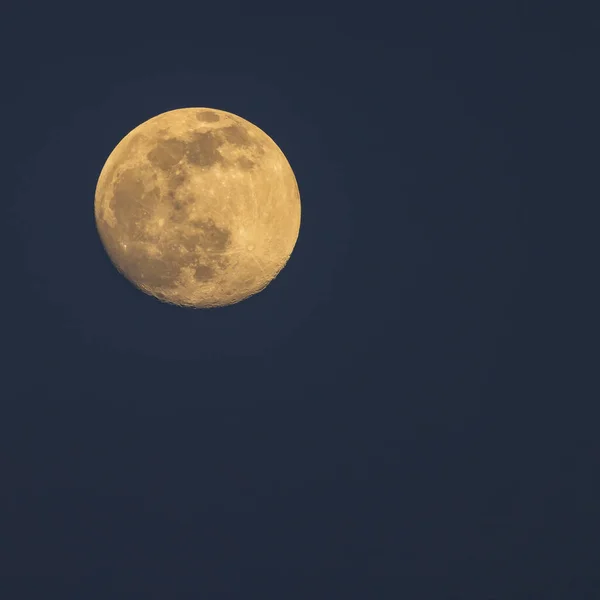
198, 207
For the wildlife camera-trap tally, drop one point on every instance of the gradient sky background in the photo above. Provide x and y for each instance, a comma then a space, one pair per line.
402, 412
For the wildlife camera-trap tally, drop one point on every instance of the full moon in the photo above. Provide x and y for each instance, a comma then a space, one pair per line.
198, 207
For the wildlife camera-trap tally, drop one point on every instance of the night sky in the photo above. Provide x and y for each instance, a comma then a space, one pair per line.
402, 413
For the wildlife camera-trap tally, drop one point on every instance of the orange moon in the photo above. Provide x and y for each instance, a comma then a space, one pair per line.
198, 207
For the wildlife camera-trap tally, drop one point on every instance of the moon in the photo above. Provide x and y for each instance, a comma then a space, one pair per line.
198, 207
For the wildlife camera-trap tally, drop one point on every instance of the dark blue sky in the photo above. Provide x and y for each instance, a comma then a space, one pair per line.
395, 416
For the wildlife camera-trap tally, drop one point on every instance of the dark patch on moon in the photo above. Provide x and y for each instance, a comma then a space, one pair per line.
157, 273
127, 186
176, 180
167, 153
187, 240
180, 206
178, 216
131, 202
212, 237
236, 135
203, 149
153, 271
151, 198
207, 116
203, 273
245, 163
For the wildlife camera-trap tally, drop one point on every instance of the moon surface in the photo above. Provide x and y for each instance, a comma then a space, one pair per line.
198, 207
